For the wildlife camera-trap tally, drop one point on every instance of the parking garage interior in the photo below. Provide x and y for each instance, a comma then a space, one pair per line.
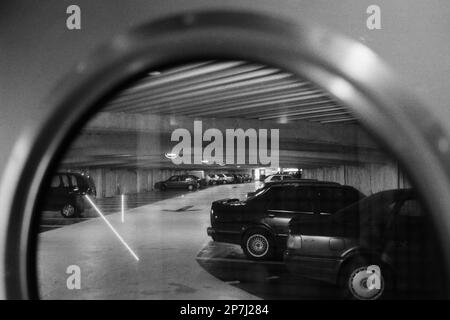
126, 149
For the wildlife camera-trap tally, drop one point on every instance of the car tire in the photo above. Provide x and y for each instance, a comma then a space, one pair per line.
190, 187
353, 281
163, 188
258, 245
69, 211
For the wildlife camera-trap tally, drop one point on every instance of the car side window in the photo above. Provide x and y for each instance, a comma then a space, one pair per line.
305, 199
282, 198
173, 178
56, 182
287, 178
65, 180
331, 200
276, 178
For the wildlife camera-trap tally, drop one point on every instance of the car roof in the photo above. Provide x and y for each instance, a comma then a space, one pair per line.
303, 182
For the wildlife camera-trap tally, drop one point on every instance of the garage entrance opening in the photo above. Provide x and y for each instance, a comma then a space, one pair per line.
231, 180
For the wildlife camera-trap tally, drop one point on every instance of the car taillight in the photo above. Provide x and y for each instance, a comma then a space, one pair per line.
294, 242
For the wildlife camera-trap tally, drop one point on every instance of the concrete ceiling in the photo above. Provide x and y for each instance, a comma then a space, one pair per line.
134, 128
237, 89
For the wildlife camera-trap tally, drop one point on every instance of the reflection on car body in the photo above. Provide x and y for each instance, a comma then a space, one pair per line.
278, 177
265, 185
387, 229
66, 193
260, 223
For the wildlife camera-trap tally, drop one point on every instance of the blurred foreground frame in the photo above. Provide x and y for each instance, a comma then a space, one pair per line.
352, 73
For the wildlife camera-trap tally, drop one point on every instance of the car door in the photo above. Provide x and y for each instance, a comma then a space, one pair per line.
285, 202
54, 193
60, 192
410, 249
173, 182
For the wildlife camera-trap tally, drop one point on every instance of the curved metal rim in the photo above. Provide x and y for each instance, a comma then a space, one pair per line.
354, 290
353, 74
251, 250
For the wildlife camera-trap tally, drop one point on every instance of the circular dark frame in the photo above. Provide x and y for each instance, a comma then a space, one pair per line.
351, 72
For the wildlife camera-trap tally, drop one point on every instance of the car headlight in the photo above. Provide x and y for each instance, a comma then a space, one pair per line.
294, 242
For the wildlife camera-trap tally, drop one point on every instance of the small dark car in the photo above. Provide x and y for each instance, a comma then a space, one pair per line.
387, 230
238, 178
260, 223
188, 182
66, 193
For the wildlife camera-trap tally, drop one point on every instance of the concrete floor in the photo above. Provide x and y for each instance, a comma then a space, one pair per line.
177, 258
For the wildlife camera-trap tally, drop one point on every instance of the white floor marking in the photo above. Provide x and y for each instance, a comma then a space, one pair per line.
123, 212
112, 228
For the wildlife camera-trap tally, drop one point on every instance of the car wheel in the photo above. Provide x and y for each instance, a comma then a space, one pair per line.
258, 245
357, 281
190, 187
68, 211
163, 188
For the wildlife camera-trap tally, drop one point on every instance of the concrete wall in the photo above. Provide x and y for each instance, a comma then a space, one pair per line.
110, 182
369, 178
114, 181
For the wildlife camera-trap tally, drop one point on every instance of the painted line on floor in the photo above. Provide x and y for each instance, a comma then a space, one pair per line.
112, 228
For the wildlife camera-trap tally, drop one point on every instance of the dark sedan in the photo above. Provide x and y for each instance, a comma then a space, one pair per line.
382, 242
188, 182
260, 223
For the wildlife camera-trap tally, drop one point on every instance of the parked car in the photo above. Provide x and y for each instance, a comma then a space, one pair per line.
66, 193
212, 179
247, 177
200, 181
238, 178
225, 178
260, 223
188, 182
387, 230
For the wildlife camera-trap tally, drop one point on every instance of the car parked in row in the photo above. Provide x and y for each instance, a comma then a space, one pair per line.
260, 223
66, 193
225, 178
385, 233
238, 178
247, 177
188, 182
212, 179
